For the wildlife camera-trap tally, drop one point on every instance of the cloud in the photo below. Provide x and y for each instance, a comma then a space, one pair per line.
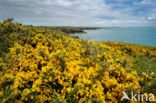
146, 2
80, 12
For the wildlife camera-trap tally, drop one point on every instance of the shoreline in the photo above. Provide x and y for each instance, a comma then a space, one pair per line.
104, 36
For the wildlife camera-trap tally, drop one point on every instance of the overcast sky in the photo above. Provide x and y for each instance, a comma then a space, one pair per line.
80, 12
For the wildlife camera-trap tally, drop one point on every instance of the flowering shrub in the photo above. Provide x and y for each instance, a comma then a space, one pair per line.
58, 68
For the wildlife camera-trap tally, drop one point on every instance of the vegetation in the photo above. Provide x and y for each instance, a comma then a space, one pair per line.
42, 65
68, 29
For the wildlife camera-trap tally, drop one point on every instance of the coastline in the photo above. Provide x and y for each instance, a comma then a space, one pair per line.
138, 35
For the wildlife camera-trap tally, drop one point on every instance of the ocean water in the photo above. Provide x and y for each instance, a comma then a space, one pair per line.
135, 35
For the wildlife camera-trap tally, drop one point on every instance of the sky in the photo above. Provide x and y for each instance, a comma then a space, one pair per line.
105, 13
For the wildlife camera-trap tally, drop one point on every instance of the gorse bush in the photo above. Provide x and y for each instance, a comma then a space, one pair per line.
48, 66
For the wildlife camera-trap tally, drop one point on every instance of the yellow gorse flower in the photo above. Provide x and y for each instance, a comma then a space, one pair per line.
55, 67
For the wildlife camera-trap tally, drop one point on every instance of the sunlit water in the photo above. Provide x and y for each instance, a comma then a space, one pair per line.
135, 35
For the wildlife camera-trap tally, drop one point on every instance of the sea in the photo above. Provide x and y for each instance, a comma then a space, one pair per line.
136, 35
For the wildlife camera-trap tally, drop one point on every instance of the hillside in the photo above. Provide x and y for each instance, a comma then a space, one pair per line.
42, 65
68, 29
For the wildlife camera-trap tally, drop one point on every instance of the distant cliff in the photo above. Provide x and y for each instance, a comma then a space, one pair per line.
69, 29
